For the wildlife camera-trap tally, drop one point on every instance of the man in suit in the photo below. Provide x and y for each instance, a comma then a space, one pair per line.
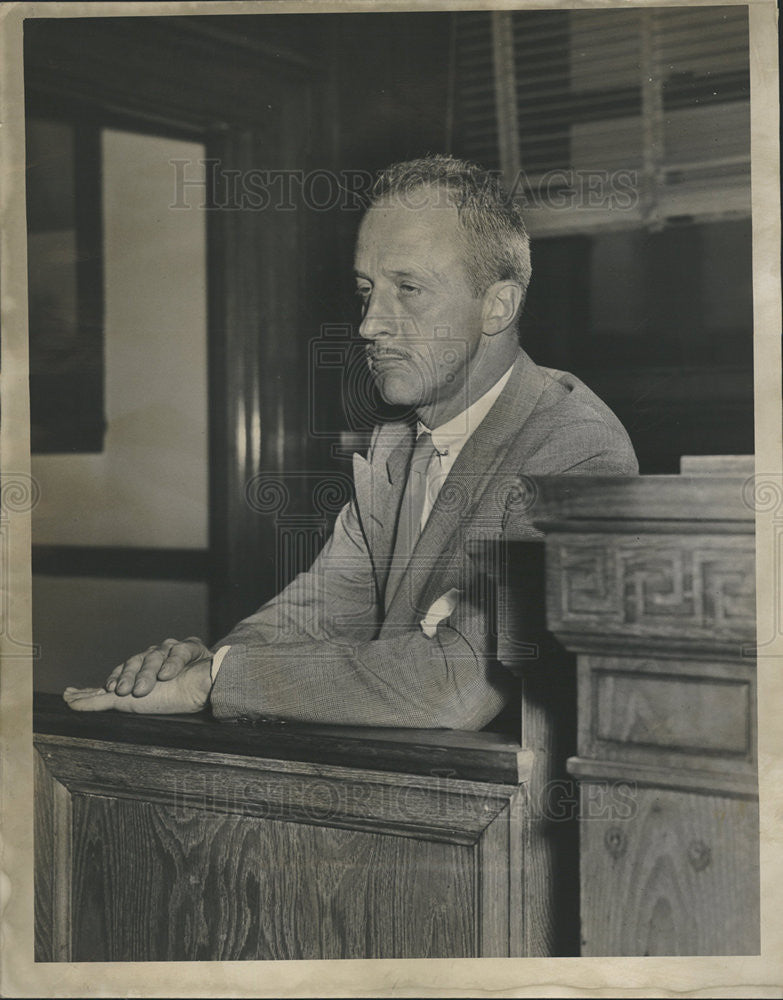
391, 626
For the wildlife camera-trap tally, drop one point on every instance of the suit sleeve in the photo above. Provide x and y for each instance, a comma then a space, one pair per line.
595, 448
313, 655
334, 601
310, 654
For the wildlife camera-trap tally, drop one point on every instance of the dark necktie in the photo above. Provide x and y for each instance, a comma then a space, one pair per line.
411, 508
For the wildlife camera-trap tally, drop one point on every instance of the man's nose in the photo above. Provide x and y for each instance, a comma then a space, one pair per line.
376, 322
374, 327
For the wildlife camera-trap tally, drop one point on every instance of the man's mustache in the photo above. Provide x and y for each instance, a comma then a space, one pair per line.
383, 353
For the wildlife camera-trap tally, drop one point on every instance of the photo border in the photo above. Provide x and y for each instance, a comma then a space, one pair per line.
754, 976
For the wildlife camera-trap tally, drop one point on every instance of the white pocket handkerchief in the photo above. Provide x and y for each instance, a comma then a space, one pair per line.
439, 611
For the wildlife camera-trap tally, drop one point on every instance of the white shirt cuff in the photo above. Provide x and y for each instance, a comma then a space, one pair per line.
217, 660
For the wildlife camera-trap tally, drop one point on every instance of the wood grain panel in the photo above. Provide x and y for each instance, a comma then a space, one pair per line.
684, 713
44, 839
679, 878
52, 845
497, 891
438, 808
171, 855
669, 711
229, 887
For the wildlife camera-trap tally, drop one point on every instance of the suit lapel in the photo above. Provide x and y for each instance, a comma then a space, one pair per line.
475, 475
379, 487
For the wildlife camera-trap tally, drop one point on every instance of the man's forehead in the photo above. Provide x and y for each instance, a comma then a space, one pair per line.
408, 223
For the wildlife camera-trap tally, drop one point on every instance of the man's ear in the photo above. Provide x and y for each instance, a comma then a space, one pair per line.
502, 302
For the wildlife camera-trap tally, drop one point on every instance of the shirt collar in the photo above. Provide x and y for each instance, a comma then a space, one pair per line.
451, 436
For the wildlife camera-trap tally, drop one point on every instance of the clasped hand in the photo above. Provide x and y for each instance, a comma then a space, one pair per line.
170, 678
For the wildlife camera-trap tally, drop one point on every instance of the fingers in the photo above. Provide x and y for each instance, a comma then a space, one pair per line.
90, 699
111, 680
139, 674
123, 676
188, 692
100, 700
126, 680
72, 693
179, 656
148, 673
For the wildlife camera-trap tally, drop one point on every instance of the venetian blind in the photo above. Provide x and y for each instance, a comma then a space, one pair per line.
609, 118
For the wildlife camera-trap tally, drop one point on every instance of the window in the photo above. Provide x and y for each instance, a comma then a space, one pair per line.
65, 282
608, 118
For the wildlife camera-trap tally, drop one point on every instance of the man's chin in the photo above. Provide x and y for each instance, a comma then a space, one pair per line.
395, 388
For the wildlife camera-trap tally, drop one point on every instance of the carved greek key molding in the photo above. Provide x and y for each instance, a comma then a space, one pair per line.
694, 584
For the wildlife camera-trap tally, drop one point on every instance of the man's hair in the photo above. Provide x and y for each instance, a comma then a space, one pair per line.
496, 241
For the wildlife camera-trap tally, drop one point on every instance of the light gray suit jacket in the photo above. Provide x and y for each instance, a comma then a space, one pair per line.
326, 650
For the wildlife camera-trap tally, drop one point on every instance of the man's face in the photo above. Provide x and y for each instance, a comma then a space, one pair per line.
419, 313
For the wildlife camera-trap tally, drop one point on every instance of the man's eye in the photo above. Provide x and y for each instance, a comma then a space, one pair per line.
363, 292
409, 289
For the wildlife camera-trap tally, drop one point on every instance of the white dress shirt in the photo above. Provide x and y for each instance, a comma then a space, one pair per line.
448, 440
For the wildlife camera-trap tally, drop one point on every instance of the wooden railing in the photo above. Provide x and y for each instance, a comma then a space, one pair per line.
185, 838
651, 584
